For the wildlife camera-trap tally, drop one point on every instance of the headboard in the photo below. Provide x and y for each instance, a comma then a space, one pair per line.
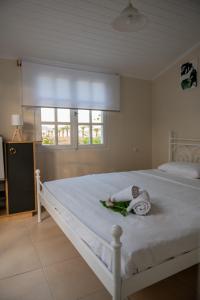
183, 149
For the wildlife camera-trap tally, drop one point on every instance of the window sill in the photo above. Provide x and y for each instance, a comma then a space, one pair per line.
46, 148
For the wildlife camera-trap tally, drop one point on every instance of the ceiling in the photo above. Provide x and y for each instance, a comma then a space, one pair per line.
79, 32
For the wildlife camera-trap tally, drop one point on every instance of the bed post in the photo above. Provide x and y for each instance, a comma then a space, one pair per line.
170, 146
116, 244
37, 175
172, 140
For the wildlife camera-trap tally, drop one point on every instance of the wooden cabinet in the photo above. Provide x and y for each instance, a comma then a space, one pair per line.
20, 181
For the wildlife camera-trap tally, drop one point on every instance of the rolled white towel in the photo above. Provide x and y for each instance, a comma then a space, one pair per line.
127, 194
140, 205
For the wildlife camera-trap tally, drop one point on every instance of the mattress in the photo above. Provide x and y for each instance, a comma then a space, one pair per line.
172, 227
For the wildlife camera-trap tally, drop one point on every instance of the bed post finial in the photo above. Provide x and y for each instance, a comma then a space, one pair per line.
37, 175
116, 233
116, 270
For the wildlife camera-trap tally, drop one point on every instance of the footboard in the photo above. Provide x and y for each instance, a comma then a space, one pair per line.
111, 280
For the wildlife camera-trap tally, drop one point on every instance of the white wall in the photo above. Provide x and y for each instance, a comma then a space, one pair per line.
128, 129
173, 109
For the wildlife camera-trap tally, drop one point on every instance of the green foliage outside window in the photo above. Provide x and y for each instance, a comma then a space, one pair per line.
47, 141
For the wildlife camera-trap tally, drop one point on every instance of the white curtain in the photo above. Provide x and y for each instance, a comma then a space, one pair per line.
52, 86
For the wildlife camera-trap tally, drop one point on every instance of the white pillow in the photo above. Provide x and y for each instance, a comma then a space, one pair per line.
183, 169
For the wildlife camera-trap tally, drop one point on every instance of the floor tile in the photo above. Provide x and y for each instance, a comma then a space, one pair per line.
44, 230
71, 280
12, 230
17, 255
190, 275
25, 244
168, 289
100, 295
191, 278
55, 249
28, 286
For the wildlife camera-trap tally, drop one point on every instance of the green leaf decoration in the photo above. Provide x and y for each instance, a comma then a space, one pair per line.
119, 207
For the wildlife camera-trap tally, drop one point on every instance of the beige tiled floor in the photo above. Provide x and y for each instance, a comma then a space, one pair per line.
37, 262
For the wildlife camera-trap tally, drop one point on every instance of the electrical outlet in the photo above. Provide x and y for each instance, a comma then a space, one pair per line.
135, 149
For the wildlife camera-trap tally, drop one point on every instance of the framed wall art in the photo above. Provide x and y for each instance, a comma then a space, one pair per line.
189, 75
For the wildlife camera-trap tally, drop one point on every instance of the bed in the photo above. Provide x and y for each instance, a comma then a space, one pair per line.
139, 250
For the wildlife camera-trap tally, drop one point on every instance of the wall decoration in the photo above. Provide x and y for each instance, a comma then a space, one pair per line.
189, 75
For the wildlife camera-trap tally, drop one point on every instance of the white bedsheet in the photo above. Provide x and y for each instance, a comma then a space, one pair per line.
171, 228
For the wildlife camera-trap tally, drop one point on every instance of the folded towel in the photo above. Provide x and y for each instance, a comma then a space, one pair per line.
127, 194
141, 205
132, 199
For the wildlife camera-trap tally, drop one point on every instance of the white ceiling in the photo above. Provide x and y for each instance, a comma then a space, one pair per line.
79, 32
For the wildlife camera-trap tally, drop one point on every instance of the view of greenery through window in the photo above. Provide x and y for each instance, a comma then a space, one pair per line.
90, 127
56, 126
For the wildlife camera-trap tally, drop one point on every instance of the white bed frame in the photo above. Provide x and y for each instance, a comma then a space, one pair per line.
118, 287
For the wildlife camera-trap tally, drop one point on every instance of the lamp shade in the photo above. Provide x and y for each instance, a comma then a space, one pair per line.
16, 120
129, 20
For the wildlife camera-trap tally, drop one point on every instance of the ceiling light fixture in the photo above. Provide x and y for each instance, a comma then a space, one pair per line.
129, 20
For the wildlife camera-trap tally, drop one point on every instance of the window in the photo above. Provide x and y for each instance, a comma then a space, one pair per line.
90, 127
55, 126
60, 126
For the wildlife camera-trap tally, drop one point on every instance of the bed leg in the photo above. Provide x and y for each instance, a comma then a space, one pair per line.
116, 244
37, 175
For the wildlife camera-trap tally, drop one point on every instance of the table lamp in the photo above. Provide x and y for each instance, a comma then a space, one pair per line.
16, 120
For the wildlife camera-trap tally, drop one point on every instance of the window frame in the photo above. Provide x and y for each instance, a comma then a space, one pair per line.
56, 123
74, 133
90, 124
